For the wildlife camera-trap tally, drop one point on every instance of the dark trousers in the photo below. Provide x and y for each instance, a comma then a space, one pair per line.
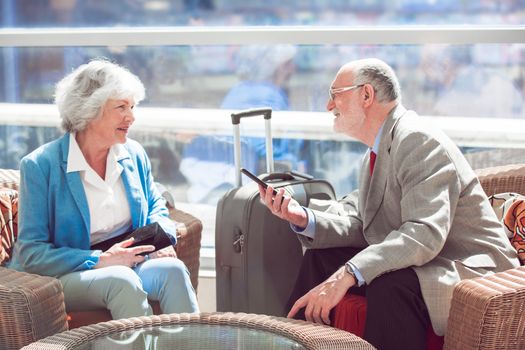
396, 315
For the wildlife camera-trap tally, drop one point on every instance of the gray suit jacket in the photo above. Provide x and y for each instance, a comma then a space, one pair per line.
423, 208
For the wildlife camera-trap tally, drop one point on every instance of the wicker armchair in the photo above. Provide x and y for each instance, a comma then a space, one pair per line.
489, 312
32, 306
486, 313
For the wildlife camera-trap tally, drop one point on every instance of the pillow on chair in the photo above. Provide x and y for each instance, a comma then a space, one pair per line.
8, 222
510, 210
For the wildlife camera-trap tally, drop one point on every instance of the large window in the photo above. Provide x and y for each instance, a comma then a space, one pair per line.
475, 80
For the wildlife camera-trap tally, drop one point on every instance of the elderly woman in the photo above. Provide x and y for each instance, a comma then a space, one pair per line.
91, 185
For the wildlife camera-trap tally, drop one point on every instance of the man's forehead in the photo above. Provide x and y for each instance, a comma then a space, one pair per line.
344, 76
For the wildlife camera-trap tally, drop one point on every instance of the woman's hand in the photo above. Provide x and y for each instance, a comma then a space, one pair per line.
169, 251
120, 254
284, 207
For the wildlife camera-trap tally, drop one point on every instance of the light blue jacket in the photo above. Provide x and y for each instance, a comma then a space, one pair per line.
54, 223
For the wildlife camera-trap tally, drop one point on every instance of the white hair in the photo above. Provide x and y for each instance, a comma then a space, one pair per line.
81, 95
380, 75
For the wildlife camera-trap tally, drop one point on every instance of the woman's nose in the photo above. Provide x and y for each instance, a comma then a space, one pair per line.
130, 115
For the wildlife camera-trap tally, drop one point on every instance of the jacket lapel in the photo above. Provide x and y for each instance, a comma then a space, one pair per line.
375, 186
364, 184
75, 184
133, 190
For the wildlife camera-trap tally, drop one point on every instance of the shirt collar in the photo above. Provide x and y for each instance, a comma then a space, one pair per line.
75, 158
375, 147
77, 162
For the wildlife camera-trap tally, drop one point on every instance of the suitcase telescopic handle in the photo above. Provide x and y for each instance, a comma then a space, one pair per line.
236, 120
266, 112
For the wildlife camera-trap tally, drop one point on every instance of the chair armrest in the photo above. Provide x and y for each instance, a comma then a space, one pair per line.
189, 232
488, 312
31, 307
501, 179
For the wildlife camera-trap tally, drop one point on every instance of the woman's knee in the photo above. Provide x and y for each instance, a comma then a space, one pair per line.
120, 278
176, 270
123, 292
117, 288
163, 270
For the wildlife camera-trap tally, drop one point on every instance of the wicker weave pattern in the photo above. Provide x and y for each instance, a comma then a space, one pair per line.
32, 307
489, 312
508, 178
312, 336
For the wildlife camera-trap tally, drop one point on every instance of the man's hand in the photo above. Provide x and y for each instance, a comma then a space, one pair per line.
283, 206
120, 254
323, 298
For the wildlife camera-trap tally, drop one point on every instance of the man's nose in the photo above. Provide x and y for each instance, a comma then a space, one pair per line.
330, 104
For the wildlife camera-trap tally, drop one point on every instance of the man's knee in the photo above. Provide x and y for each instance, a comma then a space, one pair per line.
393, 285
396, 315
396, 292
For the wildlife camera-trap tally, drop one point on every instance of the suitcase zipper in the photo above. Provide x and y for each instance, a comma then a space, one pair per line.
238, 243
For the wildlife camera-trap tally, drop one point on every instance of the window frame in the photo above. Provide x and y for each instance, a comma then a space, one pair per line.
300, 35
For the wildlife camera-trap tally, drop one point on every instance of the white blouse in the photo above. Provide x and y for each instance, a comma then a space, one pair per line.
109, 212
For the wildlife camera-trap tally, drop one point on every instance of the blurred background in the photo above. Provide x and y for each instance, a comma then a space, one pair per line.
192, 89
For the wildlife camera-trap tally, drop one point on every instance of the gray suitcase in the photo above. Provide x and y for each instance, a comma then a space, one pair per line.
257, 255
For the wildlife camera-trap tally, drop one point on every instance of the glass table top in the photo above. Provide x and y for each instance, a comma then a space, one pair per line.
193, 336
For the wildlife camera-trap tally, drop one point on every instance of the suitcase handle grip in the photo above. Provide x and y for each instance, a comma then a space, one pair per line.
300, 174
278, 176
287, 176
266, 112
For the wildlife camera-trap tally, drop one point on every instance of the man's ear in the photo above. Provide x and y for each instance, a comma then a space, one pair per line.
368, 94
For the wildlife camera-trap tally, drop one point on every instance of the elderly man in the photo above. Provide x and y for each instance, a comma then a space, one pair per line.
419, 223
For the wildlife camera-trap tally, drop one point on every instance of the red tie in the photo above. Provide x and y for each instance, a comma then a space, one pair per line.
372, 161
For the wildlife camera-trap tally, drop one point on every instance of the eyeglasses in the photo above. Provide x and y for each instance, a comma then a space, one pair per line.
333, 92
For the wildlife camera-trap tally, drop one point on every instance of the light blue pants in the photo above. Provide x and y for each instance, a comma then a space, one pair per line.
125, 291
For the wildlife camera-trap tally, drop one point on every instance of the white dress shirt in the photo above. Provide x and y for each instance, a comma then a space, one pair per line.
109, 212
